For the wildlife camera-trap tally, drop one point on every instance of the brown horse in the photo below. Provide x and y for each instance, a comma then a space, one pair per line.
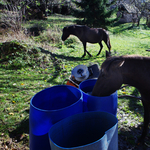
131, 70
86, 34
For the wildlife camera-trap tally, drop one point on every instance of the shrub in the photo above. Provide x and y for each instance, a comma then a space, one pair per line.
15, 55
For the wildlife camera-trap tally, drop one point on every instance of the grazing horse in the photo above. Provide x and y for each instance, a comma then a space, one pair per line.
86, 34
131, 70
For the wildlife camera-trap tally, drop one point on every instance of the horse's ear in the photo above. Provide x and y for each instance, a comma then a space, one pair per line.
115, 63
118, 62
65, 28
108, 54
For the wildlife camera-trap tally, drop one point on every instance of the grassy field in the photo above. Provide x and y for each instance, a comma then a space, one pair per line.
54, 62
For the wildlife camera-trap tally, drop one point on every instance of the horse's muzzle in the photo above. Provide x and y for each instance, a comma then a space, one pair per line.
63, 39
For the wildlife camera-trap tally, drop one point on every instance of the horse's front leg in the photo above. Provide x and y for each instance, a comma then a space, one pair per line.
146, 121
101, 46
84, 46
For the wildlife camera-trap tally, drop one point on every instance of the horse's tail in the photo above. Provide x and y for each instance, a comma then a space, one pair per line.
107, 39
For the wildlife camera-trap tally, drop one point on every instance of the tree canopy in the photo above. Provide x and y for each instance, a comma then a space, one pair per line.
95, 13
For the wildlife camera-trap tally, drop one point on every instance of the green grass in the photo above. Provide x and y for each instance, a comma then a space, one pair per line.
18, 86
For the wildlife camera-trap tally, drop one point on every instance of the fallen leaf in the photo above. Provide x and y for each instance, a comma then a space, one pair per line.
11, 113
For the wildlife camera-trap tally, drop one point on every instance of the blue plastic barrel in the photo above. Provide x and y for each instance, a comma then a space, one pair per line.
94, 103
48, 107
85, 131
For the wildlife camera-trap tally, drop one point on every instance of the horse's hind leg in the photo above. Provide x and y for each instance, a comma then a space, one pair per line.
146, 121
108, 44
84, 45
101, 46
109, 47
107, 41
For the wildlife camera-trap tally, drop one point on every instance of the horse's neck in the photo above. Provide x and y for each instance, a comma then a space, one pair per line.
77, 31
136, 72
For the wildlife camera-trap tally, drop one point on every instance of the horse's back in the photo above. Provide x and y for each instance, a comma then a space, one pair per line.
94, 35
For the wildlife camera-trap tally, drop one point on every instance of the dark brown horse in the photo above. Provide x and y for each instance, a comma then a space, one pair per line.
131, 70
86, 34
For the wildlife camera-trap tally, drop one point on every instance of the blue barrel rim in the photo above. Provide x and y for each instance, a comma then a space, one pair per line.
77, 146
89, 143
44, 110
93, 87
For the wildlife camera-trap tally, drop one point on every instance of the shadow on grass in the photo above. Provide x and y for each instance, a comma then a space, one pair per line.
69, 58
121, 29
135, 104
20, 132
57, 19
127, 139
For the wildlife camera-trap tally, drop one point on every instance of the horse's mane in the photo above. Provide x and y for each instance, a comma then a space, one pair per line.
126, 58
135, 57
130, 57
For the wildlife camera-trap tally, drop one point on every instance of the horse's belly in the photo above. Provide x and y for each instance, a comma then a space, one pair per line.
93, 41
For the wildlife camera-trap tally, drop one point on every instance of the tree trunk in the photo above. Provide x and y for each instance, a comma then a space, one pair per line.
139, 18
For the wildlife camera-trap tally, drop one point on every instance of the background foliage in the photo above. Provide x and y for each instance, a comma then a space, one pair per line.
95, 13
